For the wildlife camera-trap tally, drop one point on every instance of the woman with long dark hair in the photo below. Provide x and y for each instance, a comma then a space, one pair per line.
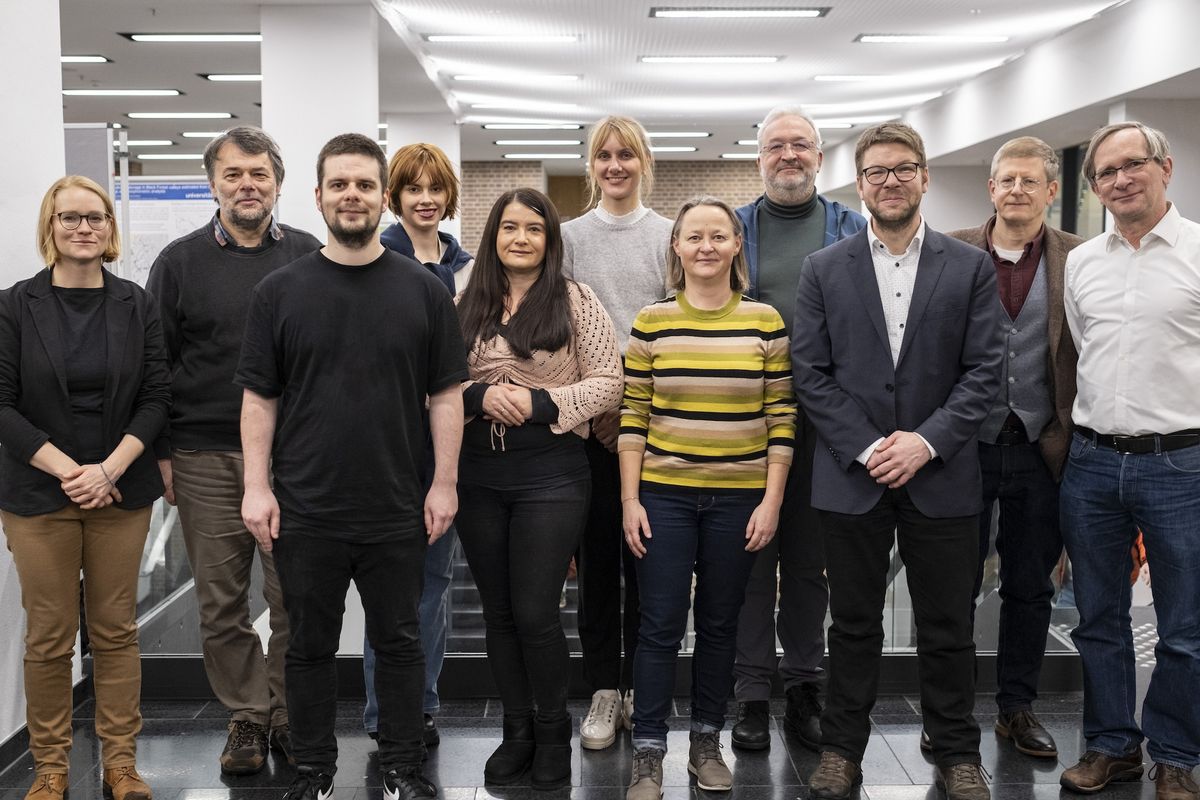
543, 361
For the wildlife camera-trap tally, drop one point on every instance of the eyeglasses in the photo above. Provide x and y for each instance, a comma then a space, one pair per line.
70, 220
904, 173
799, 147
1027, 185
1131, 167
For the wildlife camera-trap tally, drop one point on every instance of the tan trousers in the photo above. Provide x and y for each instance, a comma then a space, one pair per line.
50, 551
208, 491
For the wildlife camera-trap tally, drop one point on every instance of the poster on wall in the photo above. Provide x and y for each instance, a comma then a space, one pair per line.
160, 211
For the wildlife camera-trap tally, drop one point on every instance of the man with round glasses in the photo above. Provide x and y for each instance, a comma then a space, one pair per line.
1023, 441
1133, 306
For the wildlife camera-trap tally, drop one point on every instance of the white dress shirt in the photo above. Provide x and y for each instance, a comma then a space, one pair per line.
1135, 317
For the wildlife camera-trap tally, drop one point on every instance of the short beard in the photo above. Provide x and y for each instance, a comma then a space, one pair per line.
788, 195
898, 223
353, 239
248, 222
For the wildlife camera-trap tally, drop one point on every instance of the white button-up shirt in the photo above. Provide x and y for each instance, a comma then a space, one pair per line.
1135, 317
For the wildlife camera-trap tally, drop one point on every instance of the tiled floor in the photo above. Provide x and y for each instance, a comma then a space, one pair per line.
180, 742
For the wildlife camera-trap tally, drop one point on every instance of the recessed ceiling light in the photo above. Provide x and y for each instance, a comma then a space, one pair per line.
516, 77
531, 126
722, 13
829, 126
382, 143
739, 156
537, 142
194, 37
233, 77
84, 60
678, 134
382, 126
927, 38
489, 38
201, 134
179, 115
748, 142
540, 156
520, 105
117, 125
146, 143
170, 156
672, 149
849, 78
709, 59
121, 92
838, 124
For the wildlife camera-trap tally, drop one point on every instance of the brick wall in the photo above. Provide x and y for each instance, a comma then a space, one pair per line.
482, 183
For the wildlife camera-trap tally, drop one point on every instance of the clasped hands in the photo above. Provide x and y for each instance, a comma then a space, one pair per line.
89, 487
897, 459
507, 403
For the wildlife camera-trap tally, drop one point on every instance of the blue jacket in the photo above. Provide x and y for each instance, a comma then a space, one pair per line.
840, 222
454, 257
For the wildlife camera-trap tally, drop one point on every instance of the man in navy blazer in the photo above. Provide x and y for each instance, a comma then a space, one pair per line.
896, 353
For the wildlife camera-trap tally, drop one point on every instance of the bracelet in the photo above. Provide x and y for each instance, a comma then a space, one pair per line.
104, 472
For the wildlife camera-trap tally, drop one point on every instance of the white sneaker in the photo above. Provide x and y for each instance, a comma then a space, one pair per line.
599, 728
627, 710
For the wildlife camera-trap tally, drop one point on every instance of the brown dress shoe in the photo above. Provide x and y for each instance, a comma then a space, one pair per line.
1027, 734
835, 777
963, 782
48, 786
1096, 770
1173, 783
124, 783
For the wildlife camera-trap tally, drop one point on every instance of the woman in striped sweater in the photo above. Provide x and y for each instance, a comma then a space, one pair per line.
706, 436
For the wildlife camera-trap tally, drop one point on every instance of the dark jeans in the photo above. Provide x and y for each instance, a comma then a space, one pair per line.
601, 561
518, 544
705, 534
940, 556
315, 574
1029, 545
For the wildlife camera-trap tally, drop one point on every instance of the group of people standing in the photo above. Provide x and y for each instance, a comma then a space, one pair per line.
711, 414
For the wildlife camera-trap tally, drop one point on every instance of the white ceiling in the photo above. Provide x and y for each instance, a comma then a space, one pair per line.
724, 100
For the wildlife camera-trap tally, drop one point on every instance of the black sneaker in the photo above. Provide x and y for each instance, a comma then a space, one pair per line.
802, 719
430, 735
407, 784
310, 785
281, 742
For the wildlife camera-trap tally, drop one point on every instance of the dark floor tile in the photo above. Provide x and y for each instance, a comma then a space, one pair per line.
83, 762
172, 709
608, 767
462, 708
887, 705
771, 792
880, 765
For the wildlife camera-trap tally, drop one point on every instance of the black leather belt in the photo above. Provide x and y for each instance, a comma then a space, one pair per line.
1145, 443
1008, 437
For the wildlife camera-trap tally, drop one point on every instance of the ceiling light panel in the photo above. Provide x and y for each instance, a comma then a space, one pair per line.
672, 148
201, 134
709, 59
928, 38
121, 92
537, 142
233, 77
170, 156
84, 60
678, 134
531, 126
179, 115
516, 77
146, 143
541, 156
730, 12
194, 38
501, 38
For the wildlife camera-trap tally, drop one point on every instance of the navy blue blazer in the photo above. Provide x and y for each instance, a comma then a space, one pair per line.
941, 387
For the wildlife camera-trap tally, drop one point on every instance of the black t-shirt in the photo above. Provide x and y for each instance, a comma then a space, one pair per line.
351, 353
85, 355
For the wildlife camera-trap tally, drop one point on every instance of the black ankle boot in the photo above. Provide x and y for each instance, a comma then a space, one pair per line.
552, 756
515, 753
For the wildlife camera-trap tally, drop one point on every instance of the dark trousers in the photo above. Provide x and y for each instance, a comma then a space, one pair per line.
518, 544
315, 574
602, 560
940, 557
1029, 545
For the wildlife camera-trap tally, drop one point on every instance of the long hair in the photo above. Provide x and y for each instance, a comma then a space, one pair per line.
543, 322
629, 133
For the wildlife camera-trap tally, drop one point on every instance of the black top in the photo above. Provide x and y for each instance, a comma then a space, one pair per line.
351, 353
203, 290
81, 315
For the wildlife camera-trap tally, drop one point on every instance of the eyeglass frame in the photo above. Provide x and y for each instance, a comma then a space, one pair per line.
799, 147
1133, 166
1033, 184
916, 166
82, 217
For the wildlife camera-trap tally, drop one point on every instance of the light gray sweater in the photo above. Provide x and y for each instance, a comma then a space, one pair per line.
623, 259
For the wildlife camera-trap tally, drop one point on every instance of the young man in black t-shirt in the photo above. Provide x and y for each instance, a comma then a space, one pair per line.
342, 348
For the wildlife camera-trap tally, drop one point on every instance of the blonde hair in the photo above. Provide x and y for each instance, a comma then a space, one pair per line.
629, 133
45, 227
739, 271
1028, 147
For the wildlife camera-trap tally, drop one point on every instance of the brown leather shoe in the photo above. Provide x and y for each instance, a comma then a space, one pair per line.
1096, 770
835, 777
1027, 734
124, 783
1173, 783
963, 782
48, 786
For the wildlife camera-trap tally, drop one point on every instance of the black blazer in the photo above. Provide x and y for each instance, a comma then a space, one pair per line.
34, 405
941, 387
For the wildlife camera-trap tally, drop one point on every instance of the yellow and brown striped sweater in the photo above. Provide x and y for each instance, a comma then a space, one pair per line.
708, 395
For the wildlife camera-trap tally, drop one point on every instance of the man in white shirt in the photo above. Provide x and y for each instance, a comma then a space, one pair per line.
1133, 305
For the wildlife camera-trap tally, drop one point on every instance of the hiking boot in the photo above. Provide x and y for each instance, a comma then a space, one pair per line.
1096, 770
835, 777
646, 782
124, 783
246, 748
48, 786
963, 782
705, 762
1173, 783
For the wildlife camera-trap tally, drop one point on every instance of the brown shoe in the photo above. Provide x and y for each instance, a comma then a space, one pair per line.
245, 749
48, 786
1173, 783
963, 782
1027, 734
124, 783
1096, 770
835, 777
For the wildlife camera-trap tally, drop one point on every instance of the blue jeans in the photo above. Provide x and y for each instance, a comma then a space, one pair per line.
1105, 496
1029, 545
434, 617
704, 534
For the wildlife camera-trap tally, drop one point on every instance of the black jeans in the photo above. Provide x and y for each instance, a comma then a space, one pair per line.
601, 561
518, 543
940, 557
1029, 544
315, 573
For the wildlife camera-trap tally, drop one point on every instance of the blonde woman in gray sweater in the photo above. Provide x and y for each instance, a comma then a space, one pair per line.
619, 249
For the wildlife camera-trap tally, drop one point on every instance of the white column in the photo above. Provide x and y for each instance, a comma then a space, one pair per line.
320, 67
436, 129
33, 159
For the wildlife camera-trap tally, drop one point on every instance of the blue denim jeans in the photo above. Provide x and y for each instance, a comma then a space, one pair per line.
434, 617
699, 533
1105, 496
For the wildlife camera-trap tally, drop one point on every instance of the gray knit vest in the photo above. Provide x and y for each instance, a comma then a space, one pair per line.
1024, 387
